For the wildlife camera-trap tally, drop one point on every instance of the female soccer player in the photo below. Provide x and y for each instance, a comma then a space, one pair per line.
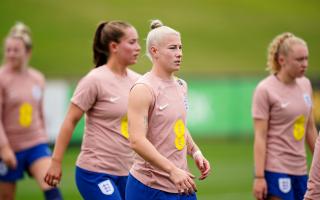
157, 125
105, 158
283, 120
23, 139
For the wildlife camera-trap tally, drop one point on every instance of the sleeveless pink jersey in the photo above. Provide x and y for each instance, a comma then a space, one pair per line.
313, 191
166, 131
287, 109
21, 108
103, 96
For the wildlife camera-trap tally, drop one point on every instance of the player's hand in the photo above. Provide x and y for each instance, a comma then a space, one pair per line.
54, 173
8, 157
260, 188
183, 181
203, 165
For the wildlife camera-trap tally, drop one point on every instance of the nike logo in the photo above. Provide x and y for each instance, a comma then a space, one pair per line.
113, 99
283, 105
163, 107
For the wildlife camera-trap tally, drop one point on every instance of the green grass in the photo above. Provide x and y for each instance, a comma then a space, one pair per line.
219, 36
231, 176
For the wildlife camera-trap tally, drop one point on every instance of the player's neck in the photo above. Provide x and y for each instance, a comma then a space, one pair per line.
117, 68
285, 78
162, 74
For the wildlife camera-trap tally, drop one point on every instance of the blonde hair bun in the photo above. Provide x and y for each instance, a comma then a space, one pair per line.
20, 29
156, 24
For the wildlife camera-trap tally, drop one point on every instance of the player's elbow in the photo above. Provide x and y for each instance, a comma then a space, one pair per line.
134, 143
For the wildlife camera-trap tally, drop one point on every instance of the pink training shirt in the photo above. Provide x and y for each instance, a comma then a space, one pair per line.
287, 109
166, 131
21, 108
103, 96
313, 191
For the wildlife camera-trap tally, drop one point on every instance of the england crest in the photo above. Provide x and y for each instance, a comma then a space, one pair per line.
285, 185
106, 187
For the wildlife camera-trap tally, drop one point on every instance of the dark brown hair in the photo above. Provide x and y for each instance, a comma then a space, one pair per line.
107, 32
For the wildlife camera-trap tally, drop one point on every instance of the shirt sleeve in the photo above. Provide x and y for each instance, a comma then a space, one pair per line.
260, 103
86, 93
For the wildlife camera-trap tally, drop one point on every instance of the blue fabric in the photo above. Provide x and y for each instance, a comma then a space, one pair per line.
53, 194
25, 159
285, 186
99, 186
138, 191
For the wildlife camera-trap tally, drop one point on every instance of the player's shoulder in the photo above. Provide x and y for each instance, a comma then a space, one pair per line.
180, 81
266, 83
133, 74
95, 74
304, 80
36, 73
146, 78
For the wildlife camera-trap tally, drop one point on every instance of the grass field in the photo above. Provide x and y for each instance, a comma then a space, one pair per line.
219, 36
231, 176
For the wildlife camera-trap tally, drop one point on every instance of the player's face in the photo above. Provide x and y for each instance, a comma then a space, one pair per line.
296, 62
170, 53
15, 53
128, 48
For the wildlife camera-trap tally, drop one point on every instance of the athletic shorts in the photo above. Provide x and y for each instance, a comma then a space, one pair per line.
99, 186
25, 159
285, 186
138, 191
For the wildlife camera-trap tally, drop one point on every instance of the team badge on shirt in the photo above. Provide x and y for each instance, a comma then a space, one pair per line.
106, 187
307, 100
36, 92
285, 185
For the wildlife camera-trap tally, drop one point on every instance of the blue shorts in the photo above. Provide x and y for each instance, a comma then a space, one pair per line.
25, 159
99, 186
138, 191
285, 186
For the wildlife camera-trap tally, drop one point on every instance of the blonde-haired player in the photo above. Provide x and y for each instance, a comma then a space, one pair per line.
283, 121
23, 139
157, 124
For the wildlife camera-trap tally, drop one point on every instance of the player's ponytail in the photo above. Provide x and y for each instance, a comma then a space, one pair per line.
107, 32
100, 50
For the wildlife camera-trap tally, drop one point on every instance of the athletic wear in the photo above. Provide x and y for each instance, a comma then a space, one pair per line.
138, 191
21, 109
100, 186
286, 187
25, 159
103, 96
166, 130
287, 109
